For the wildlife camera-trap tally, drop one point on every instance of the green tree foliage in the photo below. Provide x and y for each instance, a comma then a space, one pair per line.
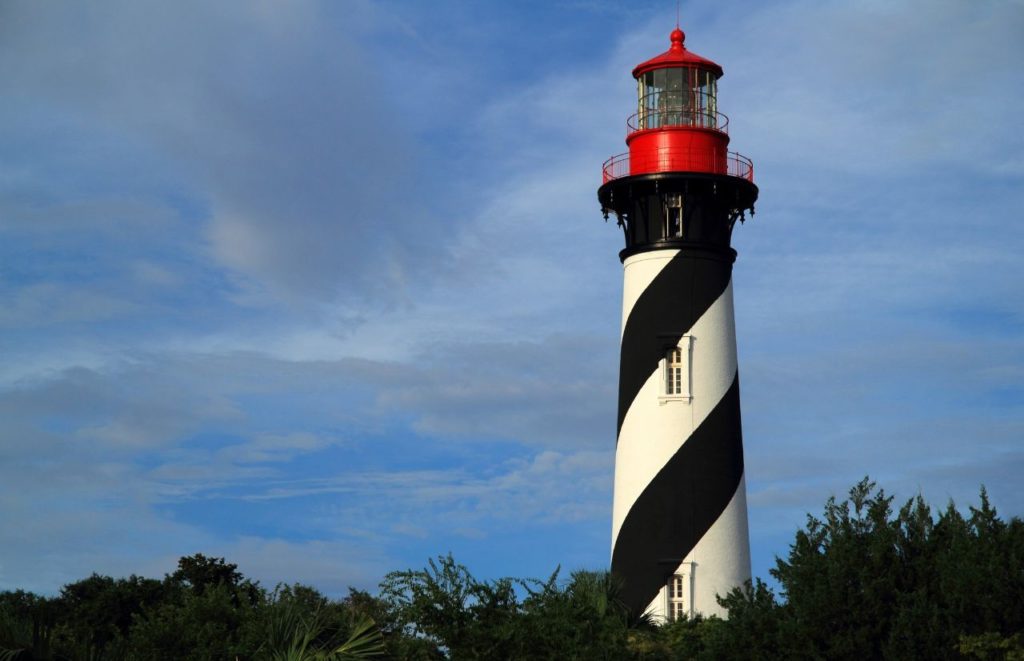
464, 618
198, 573
863, 580
27, 624
301, 624
992, 646
207, 611
204, 611
196, 626
867, 581
98, 612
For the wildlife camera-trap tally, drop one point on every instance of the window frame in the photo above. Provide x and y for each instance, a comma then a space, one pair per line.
672, 202
684, 345
679, 593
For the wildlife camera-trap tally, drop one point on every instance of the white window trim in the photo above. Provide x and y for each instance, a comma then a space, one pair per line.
685, 576
685, 343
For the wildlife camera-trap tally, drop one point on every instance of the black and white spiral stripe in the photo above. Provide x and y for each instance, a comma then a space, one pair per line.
679, 487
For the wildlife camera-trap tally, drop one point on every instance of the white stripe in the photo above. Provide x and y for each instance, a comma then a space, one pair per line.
638, 272
720, 560
654, 429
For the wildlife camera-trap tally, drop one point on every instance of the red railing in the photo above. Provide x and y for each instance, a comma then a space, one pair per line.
676, 118
736, 165
615, 167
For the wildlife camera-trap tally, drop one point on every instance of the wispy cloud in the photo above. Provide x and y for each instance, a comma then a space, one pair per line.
325, 288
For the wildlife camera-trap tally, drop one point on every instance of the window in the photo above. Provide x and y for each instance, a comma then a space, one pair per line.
703, 99
677, 96
676, 598
680, 593
676, 370
673, 102
650, 99
673, 228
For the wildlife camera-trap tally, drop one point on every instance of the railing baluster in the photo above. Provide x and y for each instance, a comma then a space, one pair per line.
736, 165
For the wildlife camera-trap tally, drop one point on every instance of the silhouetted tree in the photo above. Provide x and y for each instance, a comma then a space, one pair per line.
865, 581
862, 580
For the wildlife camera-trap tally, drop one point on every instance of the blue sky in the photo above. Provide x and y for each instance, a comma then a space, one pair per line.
323, 288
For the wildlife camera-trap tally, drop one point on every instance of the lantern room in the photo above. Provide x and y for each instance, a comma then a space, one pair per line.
677, 88
677, 126
678, 186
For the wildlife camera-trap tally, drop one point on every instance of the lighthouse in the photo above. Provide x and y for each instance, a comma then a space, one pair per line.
679, 519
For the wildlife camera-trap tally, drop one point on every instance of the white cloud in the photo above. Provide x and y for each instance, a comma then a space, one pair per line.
273, 123
870, 89
550, 487
250, 263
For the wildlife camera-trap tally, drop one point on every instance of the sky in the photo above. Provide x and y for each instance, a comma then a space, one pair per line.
323, 288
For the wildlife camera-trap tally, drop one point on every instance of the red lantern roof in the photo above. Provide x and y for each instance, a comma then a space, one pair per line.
677, 56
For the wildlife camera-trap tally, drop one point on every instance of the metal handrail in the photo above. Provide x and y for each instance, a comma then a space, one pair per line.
615, 167
677, 117
739, 166
736, 165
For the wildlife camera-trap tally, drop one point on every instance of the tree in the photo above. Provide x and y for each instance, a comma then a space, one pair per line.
27, 624
96, 613
199, 572
464, 618
198, 627
300, 624
398, 642
433, 603
865, 581
861, 580
584, 618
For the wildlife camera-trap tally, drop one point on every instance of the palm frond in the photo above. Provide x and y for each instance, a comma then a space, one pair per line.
365, 642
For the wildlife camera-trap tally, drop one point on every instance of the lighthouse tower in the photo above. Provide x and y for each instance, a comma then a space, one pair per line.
679, 528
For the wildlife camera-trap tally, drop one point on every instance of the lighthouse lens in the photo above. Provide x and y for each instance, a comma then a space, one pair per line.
650, 98
677, 96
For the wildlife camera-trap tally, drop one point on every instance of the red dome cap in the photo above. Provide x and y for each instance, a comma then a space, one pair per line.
677, 56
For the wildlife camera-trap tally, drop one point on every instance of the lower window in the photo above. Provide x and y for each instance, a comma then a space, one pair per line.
677, 606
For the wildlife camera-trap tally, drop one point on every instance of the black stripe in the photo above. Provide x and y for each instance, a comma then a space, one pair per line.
680, 504
677, 297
